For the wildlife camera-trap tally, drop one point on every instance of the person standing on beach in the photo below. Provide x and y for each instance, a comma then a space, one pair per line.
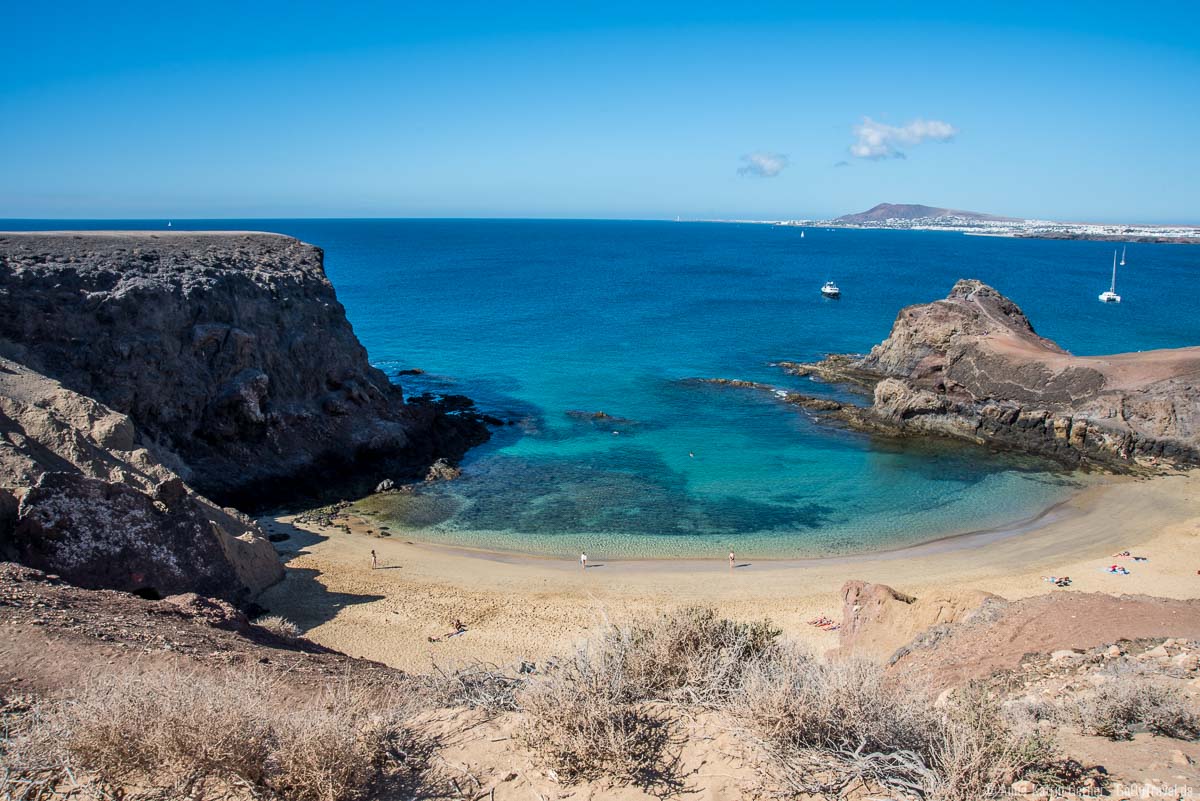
583, 561
732, 559
374, 560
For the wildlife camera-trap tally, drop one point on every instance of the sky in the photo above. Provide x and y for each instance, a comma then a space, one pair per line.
1079, 112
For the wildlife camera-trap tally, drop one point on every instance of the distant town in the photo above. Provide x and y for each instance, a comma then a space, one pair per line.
913, 217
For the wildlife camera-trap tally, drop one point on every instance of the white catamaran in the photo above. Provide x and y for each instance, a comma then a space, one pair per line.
1111, 295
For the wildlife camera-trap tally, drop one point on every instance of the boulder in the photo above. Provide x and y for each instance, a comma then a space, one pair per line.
106, 535
61, 454
442, 470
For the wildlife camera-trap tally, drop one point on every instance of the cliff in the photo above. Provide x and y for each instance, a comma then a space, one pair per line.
229, 350
142, 374
972, 366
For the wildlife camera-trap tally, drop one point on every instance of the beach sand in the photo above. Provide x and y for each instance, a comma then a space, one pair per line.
528, 608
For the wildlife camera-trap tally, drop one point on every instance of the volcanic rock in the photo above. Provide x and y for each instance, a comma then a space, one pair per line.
229, 350
972, 367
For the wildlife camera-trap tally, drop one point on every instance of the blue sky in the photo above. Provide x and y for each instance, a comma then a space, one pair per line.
649, 110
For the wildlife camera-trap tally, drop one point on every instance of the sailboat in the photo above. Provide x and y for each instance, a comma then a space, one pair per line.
1123, 255
801, 234
1111, 295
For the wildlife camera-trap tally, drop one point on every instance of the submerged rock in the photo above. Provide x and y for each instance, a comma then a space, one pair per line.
441, 470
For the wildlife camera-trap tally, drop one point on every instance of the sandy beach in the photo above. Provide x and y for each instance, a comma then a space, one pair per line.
527, 608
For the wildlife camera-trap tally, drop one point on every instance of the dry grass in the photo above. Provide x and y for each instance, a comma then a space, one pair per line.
588, 716
822, 724
978, 749
477, 685
1132, 702
182, 734
279, 626
581, 724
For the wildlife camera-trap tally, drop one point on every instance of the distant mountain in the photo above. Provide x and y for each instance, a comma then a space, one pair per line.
914, 211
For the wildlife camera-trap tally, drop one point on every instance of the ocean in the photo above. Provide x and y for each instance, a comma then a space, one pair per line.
548, 323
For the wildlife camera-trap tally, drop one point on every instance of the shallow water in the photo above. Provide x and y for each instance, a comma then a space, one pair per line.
538, 319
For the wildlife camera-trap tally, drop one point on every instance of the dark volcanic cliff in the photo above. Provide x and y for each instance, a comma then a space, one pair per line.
229, 350
140, 373
971, 366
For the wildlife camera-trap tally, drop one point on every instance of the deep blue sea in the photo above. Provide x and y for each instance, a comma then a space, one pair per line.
539, 319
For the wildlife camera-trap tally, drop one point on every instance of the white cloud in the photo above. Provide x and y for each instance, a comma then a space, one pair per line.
875, 140
764, 165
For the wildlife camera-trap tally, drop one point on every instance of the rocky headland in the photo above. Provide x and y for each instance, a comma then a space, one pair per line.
971, 367
143, 374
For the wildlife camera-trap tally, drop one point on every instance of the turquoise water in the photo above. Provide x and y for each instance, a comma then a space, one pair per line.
537, 319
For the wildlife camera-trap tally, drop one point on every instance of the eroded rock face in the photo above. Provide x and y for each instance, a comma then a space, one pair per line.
229, 350
877, 620
83, 497
971, 366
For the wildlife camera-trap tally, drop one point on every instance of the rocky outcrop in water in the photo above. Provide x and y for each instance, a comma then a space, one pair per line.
229, 350
972, 367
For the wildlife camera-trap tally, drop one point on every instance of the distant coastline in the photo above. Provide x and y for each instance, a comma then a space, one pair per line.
912, 217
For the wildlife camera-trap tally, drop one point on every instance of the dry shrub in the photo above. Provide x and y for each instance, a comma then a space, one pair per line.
1130, 702
178, 732
836, 706
689, 654
477, 685
826, 723
588, 716
978, 749
279, 626
584, 720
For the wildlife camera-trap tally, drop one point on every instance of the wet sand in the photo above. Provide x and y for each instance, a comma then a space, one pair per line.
520, 607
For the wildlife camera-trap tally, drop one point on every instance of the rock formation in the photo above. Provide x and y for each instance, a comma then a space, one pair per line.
82, 497
972, 367
143, 373
878, 620
229, 350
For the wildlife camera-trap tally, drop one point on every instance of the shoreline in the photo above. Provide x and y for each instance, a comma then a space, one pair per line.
973, 538
716, 546
518, 607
